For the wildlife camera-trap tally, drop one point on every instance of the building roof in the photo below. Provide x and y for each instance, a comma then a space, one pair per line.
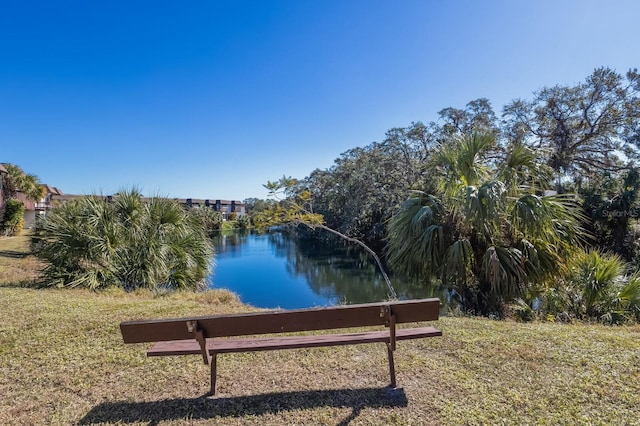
2, 169
52, 190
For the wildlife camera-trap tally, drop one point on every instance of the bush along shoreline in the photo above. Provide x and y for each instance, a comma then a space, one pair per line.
127, 243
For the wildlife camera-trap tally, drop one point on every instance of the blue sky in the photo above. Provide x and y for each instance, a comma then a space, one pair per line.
210, 99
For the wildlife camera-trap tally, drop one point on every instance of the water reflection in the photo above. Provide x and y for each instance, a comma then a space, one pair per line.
278, 270
230, 242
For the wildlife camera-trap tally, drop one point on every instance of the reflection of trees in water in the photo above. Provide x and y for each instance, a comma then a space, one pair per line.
341, 271
229, 242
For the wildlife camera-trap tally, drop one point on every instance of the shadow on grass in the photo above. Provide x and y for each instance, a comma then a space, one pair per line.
205, 407
13, 254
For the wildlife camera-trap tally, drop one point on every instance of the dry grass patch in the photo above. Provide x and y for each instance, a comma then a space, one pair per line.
17, 266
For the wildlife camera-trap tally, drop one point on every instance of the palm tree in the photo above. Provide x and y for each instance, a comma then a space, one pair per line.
18, 180
486, 232
128, 243
603, 286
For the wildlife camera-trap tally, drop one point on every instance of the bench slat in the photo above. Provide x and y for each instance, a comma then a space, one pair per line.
252, 344
325, 318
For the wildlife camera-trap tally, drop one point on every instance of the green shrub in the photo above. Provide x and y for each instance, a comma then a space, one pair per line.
127, 243
208, 217
244, 222
522, 311
600, 287
229, 225
594, 286
13, 218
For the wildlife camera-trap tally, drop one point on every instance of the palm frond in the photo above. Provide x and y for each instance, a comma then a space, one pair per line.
522, 168
484, 206
504, 269
459, 261
416, 236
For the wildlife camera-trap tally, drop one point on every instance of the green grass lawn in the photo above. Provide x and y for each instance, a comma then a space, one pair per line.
62, 361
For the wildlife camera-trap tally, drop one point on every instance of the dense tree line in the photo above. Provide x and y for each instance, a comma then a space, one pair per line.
360, 192
507, 209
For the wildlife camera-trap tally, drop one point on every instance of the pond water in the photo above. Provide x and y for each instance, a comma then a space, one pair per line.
275, 270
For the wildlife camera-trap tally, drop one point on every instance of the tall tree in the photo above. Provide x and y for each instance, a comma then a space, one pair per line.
16, 180
587, 128
478, 116
358, 194
610, 204
484, 232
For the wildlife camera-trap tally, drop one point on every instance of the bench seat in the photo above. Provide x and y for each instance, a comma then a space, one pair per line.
254, 344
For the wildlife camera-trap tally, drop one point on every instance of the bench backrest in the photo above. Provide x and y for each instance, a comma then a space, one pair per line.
325, 318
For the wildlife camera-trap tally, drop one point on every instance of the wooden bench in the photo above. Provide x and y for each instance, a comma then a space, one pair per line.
209, 336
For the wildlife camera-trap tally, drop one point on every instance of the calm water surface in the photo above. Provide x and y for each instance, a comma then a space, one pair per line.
273, 270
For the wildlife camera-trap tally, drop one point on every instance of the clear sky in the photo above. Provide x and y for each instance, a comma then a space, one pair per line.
210, 99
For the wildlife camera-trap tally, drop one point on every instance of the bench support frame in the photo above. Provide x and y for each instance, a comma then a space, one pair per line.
392, 366
214, 372
198, 334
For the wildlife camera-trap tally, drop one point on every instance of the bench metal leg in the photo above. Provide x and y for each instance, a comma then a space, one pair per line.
213, 373
392, 366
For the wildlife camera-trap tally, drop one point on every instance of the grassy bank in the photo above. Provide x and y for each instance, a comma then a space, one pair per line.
62, 361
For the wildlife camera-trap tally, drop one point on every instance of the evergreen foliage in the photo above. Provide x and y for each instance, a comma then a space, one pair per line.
485, 232
596, 286
210, 219
127, 243
17, 180
13, 218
